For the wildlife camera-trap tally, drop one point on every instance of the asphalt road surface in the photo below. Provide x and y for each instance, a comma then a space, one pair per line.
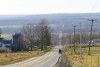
47, 60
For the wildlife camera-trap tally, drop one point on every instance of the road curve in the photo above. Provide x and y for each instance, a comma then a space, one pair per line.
47, 60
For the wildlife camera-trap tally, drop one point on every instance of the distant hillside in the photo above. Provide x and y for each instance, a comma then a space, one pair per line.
56, 20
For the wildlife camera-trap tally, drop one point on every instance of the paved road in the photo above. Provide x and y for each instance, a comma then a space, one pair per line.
63, 61
47, 60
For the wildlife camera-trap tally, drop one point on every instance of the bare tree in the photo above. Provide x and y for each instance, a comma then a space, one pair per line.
37, 35
28, 35
44, 34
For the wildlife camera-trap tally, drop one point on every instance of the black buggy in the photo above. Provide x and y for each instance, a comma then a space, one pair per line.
60, 51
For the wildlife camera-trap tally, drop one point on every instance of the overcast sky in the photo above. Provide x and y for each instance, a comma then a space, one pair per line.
48, 6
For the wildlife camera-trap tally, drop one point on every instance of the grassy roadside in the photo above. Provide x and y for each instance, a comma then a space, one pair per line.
13, 57
92, 60
8, 58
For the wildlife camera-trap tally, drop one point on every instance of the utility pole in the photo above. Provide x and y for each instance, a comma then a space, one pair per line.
0, 32
74, 37
70, 39
92, 21
80, 40
61, 35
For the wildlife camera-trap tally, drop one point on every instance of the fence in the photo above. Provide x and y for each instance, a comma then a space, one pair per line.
88, 61
91, 61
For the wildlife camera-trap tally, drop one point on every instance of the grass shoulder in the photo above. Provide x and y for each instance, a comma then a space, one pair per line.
13, 57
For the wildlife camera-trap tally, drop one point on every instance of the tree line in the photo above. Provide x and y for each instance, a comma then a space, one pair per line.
85, 37
35, 36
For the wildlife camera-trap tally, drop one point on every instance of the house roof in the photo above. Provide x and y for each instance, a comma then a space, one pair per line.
17, 34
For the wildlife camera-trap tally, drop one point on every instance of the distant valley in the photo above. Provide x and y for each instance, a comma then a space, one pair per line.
13, 23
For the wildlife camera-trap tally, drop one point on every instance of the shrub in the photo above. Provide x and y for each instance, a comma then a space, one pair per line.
3, 50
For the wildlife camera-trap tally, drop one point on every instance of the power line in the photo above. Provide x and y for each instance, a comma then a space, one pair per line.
94, 5
92, 8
